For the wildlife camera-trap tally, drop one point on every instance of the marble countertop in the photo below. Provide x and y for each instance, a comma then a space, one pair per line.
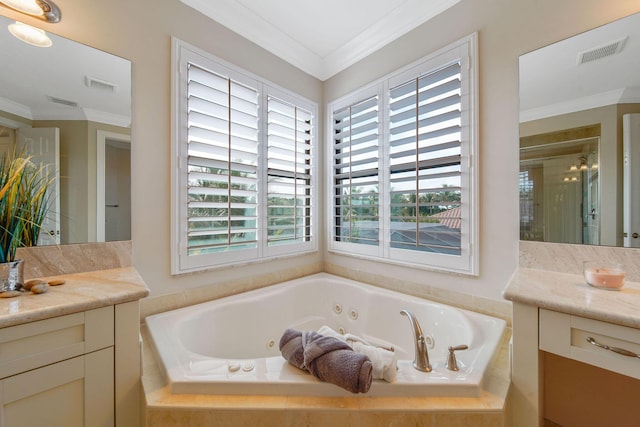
569, 293
81, 291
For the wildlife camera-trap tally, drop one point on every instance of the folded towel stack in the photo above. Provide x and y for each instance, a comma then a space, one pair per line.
384, 362
328, 359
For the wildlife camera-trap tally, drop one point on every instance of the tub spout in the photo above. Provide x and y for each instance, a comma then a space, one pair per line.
421, 360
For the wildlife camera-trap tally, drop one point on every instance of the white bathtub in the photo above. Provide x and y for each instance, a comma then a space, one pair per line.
230, 345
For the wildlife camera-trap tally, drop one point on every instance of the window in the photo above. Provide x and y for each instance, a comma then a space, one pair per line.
402, 166
244, 179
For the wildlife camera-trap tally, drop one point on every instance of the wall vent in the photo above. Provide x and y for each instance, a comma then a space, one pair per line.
601, 51
62, 101
102, 85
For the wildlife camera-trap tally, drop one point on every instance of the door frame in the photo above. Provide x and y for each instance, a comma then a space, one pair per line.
101, 142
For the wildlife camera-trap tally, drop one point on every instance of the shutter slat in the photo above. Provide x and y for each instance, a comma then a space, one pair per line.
425, 162
356, 172
288, 173
222, 156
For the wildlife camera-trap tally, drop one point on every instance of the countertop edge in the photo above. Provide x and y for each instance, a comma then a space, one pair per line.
568, 293
81, 292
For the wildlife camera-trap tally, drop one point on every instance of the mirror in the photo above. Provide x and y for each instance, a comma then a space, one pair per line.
579, 105
69, 105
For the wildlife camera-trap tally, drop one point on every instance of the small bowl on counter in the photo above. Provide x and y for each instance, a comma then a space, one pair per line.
604, 275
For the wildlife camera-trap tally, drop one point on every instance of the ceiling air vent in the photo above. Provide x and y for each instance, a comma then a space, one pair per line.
601, 51
102, 85
62, 101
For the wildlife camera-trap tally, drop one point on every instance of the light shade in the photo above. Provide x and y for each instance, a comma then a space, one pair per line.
28, 34
43, 9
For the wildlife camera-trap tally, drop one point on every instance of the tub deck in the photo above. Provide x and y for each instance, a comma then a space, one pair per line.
164, 409
198, 365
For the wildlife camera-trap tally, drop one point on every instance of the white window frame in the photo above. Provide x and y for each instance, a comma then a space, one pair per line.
183, 54
467, 262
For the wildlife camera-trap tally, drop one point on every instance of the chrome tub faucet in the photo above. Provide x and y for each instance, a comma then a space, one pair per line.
421, 360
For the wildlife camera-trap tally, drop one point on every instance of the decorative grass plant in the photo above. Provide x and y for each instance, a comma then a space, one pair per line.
24, 202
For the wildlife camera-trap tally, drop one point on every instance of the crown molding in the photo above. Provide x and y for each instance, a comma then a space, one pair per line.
617, 96
246, 23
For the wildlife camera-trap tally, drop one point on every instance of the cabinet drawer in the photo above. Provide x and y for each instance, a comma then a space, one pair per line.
567, 335
32, 345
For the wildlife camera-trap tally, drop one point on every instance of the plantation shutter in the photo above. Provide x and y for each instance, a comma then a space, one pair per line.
356, 172
222, 152
425, 162
289, 187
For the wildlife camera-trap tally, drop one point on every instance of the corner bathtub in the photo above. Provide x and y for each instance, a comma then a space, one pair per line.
230, 345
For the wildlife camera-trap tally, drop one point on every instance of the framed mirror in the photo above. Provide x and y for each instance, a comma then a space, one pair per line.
69, 105
579, 138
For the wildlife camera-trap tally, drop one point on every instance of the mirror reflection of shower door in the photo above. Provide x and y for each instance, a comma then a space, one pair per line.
562, 203
43, 144
560, 191
631, 182
590, 199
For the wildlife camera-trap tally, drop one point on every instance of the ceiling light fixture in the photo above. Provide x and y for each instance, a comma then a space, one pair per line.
28, 34
42, 9
583, 164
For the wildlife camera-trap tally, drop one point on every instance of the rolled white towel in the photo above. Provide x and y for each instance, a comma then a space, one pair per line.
384, 361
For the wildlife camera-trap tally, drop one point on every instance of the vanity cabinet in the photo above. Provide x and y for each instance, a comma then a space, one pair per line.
59, 371
555, 366
72, 370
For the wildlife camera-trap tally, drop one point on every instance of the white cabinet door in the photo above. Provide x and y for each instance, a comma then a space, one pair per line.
75, 392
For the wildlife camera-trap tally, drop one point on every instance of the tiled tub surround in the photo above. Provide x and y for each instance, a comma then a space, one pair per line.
197, 345
155, 304
164, 408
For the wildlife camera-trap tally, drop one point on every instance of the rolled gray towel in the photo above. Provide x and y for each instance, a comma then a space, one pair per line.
291, 347
328, 359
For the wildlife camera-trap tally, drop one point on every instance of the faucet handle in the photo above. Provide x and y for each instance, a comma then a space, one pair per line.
452, 363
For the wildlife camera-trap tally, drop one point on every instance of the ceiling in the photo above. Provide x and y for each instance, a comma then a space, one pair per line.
51, 83
321, 38
553, 81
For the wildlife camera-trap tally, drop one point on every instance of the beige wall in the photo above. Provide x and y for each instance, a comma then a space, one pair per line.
78, 163
507, 29
140, 31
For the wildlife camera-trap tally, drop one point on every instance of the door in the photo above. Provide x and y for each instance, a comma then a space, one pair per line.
117, 191
43, 144
631, 180
113, 181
